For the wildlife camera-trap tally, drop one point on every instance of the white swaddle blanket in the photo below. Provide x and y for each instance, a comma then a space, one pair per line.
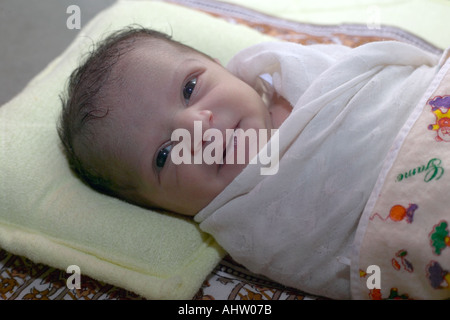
297, 226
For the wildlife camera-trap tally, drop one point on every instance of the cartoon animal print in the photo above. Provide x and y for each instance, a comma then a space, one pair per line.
375, 294
438, 277
399, 213
407, 265
440, 106
439, 237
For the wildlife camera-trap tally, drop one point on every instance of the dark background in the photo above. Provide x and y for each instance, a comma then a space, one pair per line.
32, 34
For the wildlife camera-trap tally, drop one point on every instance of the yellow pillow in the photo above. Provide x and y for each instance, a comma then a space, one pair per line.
49, 216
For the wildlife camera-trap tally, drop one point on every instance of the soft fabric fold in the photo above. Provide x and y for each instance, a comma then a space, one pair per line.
297, 226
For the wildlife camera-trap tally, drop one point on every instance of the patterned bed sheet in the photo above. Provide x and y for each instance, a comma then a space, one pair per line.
20, 278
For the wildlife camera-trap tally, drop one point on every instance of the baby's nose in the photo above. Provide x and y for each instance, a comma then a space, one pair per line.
196, 122
188, 118
206, 116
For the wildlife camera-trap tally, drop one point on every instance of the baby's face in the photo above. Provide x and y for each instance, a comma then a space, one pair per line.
165, 92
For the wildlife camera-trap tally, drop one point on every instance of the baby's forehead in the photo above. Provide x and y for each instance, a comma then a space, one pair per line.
148, 53
157, 56
154, 49
164, 50
142, 53
160, 48
141, 70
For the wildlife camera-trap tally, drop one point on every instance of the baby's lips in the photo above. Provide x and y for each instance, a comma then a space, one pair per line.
231, 145
208, 137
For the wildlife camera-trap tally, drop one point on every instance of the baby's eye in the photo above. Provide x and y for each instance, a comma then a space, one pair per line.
161, 157
189, 89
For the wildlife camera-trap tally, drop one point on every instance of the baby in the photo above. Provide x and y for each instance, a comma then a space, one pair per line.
337, 111
127, 99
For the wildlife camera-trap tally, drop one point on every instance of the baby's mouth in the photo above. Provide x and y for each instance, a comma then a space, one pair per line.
230, 145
